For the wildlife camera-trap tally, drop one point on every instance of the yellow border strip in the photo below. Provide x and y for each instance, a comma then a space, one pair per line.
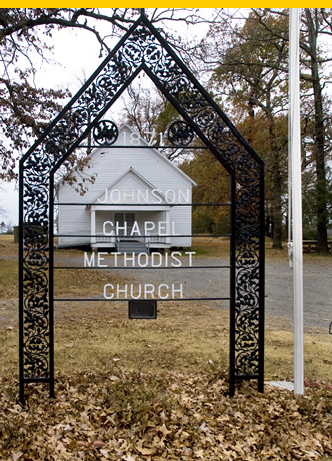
165, 4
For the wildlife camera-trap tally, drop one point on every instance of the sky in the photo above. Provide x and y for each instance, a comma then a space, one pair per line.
75, 56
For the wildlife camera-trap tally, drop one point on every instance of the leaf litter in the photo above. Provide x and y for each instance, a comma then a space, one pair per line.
130, 416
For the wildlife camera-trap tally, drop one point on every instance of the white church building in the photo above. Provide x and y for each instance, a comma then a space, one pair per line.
139, 201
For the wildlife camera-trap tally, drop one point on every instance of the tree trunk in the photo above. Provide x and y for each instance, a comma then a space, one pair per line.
276, 177
321, 185
277, 208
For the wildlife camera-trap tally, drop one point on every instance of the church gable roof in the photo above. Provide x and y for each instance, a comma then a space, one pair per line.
130, 187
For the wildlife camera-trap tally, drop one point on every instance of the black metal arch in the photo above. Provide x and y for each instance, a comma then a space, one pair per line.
141, 49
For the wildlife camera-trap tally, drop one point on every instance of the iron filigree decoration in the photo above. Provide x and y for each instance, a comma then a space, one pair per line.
141, 49
180, 134
105, 133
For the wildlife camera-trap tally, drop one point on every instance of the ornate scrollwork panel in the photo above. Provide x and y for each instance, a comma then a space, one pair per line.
105, 133
180, 134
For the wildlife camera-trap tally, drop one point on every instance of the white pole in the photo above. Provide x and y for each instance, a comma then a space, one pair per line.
295, 137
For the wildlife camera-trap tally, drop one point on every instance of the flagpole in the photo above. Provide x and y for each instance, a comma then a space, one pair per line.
295, 139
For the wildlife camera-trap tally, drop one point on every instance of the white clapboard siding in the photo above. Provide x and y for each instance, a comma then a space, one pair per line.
123, 172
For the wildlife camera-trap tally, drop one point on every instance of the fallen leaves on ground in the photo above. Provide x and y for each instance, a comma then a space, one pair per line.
130, 416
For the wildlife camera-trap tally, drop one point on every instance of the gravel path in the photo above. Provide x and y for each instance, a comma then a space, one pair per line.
214, 282
317, 294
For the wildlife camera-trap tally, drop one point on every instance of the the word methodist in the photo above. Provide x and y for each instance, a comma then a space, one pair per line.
155, 259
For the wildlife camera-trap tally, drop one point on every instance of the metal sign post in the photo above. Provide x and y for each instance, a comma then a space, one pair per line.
295, 139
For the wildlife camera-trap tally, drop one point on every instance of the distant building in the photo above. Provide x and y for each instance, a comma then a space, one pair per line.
132, 206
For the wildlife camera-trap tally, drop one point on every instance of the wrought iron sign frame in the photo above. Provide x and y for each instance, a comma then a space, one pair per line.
142, 48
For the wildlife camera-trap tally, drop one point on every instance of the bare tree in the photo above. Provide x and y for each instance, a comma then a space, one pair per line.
25, 109
149, 112
315, 42
256, 79
249, 72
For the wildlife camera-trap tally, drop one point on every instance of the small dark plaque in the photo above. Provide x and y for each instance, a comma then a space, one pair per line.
143, 309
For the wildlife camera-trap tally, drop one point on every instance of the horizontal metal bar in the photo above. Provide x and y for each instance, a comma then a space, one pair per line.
153, 146
136, 236
133, 299
139, 204
142, 268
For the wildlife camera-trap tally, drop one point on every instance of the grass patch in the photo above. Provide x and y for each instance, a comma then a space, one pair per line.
279, 356
99, 336
181, 343
182, 338
211, 246
7, 245
276, 254
9, 279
